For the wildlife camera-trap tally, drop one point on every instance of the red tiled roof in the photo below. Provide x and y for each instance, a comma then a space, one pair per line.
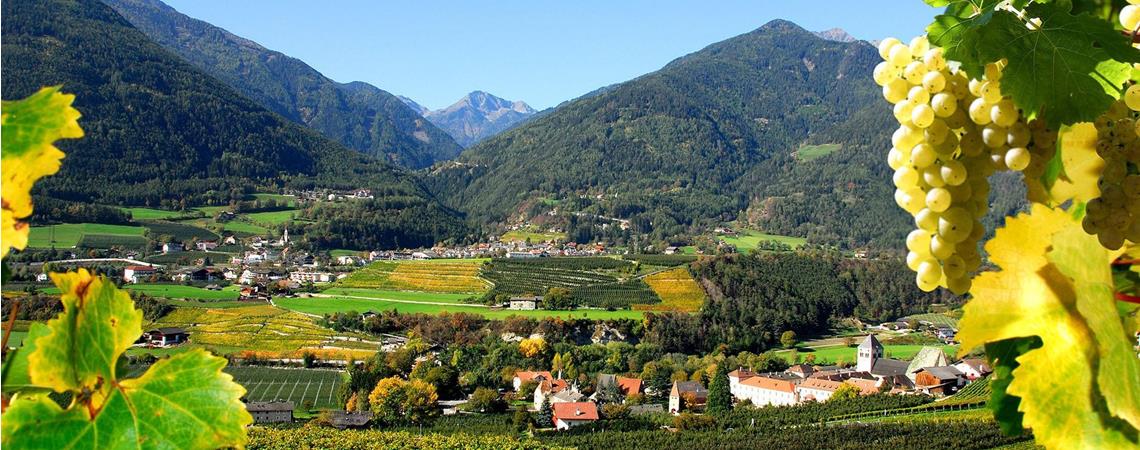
553, 385
575, 411
526, 375
770, 384
629, 385
741, 373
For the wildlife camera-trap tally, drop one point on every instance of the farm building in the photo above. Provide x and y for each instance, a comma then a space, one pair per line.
270, 412
761, 390
312, 277
555, 391
974, 368
205, 246
172, 247
523, 376
165, 337
525, 303
939, 380
568, 415
137, 274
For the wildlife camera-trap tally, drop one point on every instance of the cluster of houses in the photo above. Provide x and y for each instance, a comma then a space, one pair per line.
568, 405
930, 372
162, 337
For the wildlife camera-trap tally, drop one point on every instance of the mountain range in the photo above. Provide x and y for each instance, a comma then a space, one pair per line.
711, 137
476, 116
161, 133
358, 115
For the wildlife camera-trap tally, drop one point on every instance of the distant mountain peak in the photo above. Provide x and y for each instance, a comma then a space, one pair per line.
415, 106
837, 35
479, 115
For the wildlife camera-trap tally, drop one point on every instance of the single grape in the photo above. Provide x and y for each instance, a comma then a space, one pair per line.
918, 95
926, 220
895, 91
938, 199
922, 155
914, 72
954, 173
922, 116
944, 104
934, 82
979, 110
1130, 17
932, 175
1132, 97
896, 159
906, 178
1003, 113
929, 272
919, 45
918, 241
904, 111
1017, 158
934, 59
991, 92
994, 135
941, 248
955, 224
900, 56
884, 74
993, 72
886, 45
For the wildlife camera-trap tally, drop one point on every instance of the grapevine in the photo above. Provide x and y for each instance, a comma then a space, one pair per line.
1044, 89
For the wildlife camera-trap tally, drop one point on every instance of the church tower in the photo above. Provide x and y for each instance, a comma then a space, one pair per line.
869, 351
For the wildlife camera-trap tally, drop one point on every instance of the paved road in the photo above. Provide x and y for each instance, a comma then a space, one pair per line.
83, 260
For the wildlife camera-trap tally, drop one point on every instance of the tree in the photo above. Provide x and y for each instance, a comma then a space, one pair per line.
720, 398
532, 347
558, 298
608, 393
614, 411
309, 360
521, 419
788, 339
485, 400
545, 418
846, 391
396, 401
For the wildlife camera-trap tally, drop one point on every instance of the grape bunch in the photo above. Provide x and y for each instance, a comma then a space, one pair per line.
1115, 216
954, 132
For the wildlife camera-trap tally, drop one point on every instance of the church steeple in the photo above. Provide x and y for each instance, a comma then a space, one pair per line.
868, 351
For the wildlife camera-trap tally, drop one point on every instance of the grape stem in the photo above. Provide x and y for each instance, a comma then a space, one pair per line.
1133, 34
11, 322
1127, 298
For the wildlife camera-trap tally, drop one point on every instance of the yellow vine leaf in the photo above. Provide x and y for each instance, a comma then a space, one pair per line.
29, 129
99, 322
1082, 166
1055, 283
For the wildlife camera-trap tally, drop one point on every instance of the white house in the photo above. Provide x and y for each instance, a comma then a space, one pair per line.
974, 368
136, 274
523, 376
767, 390
312, 277
525, 303
172, 247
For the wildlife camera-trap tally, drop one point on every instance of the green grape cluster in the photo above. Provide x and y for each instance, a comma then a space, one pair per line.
954, 132
1042, 149
1115, 216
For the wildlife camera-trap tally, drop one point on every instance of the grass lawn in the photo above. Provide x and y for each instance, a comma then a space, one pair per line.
748, 240
534, 236
810, 152
69, 234
321, 306
291, 199
847, 354
245, 227
179, 291
152, 214
344, 252
272, 217
16, 338
399, 295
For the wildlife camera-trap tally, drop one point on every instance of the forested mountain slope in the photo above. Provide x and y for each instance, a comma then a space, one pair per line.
159, 132
358, 115
712, 136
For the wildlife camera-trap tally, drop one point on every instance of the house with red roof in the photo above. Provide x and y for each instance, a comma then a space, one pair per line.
524, 376
569, 415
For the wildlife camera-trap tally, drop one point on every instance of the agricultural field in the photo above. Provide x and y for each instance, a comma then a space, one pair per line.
327, 305
239, 227
177, 291
412, 296
187, 257
70, 234
153, 214
596, 282
938, 319
180, 231
677, 289
748, 240
265, 384
112, 240
533, 236
271, 217
262, 328
290, 200
453, 276
810, 152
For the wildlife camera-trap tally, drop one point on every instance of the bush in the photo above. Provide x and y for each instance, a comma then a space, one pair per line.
693, 422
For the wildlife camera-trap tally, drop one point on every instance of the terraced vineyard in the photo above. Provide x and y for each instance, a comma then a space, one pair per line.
677, 289
265, 384
939, 320
974, 395
261, 328
592, 281
458, 276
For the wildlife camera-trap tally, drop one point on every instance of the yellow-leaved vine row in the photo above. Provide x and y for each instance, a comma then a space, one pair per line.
1046, 89
181, 402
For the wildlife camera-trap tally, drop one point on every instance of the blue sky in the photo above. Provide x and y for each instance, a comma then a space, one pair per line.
538, 51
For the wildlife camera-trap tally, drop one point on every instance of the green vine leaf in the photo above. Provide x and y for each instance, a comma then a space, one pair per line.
1003, 358
180, 403
98, 323
185, 401
1060, 387
1074, 65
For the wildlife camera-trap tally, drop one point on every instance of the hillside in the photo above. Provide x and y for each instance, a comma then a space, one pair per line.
478, 116
710, 137
159, 132
358, 115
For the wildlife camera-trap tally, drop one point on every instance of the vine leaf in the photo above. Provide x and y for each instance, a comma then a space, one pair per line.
98, 323
185, 401
1081, 166
1003, 358
181, 402
29, 129
1074, 64
1032, 295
